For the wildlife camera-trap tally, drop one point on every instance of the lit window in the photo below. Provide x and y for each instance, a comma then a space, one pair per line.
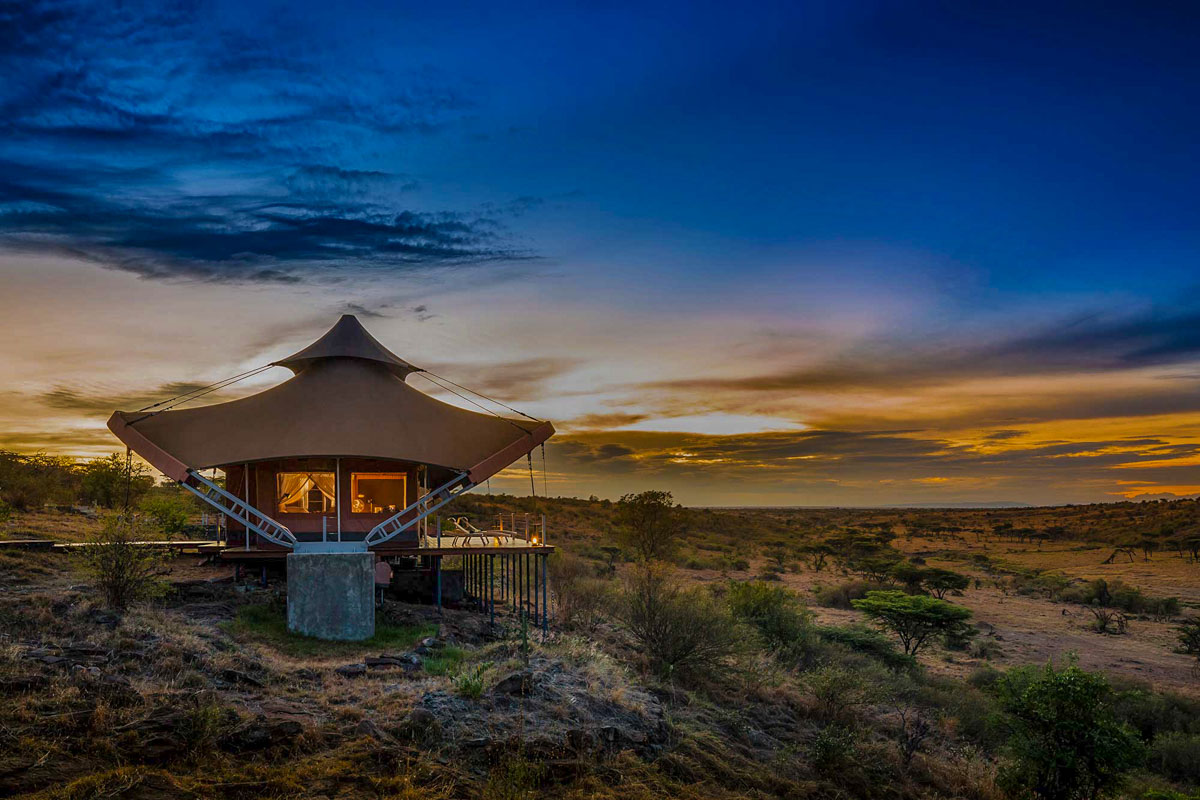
377, 492
304, 492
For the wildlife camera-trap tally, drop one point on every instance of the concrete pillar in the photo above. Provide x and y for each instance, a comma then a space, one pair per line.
332, 595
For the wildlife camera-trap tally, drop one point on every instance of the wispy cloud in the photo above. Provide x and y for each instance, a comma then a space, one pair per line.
206, 152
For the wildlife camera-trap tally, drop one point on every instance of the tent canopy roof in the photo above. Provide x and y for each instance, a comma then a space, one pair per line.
348, 398
347, 339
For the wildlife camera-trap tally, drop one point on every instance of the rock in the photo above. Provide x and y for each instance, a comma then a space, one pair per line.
431, 643
240, 678
261, 734
383, 662
421, 725
52, 659
352, 670
366, 727
518, 683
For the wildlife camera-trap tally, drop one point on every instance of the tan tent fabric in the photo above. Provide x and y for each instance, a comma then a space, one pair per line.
347, 339
347, 404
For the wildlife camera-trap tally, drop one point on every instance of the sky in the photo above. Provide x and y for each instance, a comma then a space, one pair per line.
844, 253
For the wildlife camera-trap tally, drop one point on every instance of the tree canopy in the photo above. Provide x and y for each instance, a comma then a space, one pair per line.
914, 618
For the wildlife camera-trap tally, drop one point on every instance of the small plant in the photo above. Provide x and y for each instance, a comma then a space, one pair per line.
833, 750
840, 692
470, 682
1109, 621
914, 730
124, 571
515, 777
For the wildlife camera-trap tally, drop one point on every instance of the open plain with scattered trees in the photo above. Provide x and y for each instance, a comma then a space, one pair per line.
697, 653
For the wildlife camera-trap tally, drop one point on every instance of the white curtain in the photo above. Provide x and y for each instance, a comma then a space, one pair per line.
295, 486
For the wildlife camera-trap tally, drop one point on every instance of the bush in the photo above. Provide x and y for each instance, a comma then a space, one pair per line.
123, 571
582, 598
776, 613
834, 750
870, 642
1177, 756
168, 511
1066, 742
469, 683
843, 594
840, 692
681, 631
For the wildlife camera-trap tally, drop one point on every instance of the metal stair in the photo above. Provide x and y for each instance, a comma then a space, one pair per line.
423, 507
238, 510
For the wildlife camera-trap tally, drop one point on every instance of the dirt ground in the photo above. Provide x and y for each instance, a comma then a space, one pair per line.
1033, 630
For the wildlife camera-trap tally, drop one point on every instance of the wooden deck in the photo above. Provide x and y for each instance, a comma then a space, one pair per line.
256, 554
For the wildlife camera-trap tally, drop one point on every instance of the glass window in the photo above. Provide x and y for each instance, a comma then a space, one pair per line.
377, 492
304, 492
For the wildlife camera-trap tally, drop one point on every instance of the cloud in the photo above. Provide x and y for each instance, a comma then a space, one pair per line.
151, 139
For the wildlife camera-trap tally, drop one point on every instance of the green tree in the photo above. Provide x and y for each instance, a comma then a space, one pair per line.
107, 481
1066, 743
941, 582
168, 510
913, 617
650, 524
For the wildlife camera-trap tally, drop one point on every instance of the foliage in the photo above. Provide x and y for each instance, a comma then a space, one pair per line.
168, 510
1177, 756
650, 524
29, 482
870, 642
582, 597
840, 692
1189, 637
784, 625
111, 480
842, 595
124, 571
1066, 743
469, 683
683, 631
913, 618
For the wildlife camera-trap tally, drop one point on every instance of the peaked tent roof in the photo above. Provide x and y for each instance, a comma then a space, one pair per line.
348, 398
347, 339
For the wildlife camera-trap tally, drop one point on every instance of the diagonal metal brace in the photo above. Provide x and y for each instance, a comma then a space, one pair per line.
238, 510
421, 508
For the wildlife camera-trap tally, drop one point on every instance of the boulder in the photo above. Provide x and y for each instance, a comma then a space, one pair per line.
352, 670
518, 683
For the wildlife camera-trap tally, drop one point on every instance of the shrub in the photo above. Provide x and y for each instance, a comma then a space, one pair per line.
469, 683
834, 750
870, 642
776, 613
913, 618
1177, 756
1066, 743
843, 594
681, 631
839, 692
123, 571
168, 511
582, 598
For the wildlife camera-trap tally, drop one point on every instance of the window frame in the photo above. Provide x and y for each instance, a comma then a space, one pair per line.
355, 475
281, 510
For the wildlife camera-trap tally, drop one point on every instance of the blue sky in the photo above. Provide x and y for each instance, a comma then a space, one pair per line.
788, 219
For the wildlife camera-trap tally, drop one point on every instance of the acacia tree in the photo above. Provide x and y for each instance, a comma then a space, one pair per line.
914, 618
1066, 743
650, 524
941, 582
